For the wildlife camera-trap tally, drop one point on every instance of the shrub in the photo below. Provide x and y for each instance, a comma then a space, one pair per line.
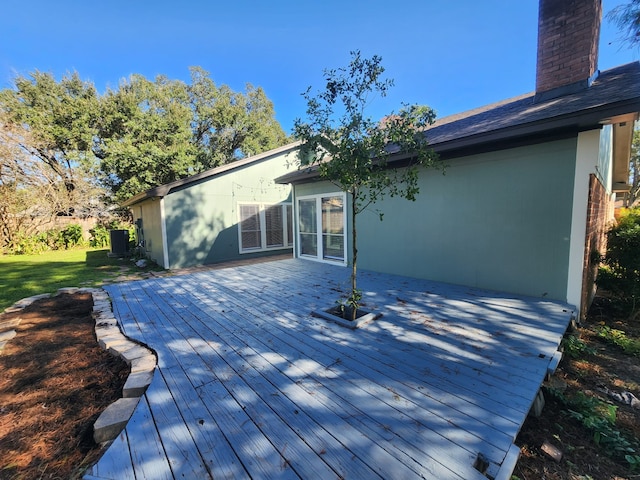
72, 236
575, 347
53, 239
620, 339
620, 274
99, 237
24, 244
600, 418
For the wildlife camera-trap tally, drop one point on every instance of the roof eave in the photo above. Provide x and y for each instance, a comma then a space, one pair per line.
583, 120
563, 124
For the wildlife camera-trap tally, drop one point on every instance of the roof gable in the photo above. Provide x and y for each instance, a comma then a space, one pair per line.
163, 190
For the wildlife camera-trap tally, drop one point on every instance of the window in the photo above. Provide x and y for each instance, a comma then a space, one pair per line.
321, 236
264, 227
250, 226
274, 226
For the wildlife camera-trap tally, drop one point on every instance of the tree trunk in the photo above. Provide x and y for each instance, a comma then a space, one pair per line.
354, 247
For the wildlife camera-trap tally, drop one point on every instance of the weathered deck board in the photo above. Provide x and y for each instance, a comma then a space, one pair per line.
394, 397
147, 453
211, 443
409, 356
493, 363
241, 351
251, 385
179, 446
387, 467
495, 360
115, 462
257, 454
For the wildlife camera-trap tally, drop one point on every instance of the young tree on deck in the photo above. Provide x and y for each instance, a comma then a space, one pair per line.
353, 151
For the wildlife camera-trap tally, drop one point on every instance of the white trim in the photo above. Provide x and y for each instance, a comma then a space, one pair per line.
287, 242
319, 257
163, 228
586, 160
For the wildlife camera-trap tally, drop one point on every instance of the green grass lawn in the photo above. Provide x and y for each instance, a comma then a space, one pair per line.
26, 275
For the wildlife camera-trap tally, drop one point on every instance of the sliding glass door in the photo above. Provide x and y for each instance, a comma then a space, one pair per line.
321, 221
308, 222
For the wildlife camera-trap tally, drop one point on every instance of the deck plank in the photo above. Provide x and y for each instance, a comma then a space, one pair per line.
213, 446
494, 375
282, 433
293, 412
251, 385
488, 435
179, 446
423, 364
258, 456
147, 453
390, 412
116, 461
493, 358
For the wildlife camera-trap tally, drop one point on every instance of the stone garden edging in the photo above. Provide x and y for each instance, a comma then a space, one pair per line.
141, 359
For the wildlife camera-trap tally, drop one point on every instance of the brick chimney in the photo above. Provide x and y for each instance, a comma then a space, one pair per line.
568, 35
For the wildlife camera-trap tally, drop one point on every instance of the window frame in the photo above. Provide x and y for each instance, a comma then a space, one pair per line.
287, 243
319, 233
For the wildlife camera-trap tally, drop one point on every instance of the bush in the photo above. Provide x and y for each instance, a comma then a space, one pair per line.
72, 236
620, 339
620, 274
575, 347
24, 244
99, 237
53, 239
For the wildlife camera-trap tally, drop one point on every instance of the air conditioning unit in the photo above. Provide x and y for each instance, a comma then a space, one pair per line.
119, 243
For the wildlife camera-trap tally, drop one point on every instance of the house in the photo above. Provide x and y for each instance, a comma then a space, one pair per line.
227, 213
529, 186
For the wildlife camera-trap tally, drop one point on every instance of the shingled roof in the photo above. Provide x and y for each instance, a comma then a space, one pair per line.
523, 119
614, 92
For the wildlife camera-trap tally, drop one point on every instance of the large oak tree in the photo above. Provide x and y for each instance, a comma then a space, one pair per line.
154, 132
140, 135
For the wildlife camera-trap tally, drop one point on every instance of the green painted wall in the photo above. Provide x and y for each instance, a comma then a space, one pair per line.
498, 220
201, 220
149, 212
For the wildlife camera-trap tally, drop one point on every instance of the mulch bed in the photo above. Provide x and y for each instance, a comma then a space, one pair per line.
55, 382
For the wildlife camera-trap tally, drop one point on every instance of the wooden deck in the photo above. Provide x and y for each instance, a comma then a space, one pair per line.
250, 385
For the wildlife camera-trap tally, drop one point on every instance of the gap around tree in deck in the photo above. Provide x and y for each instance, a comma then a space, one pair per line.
333, 315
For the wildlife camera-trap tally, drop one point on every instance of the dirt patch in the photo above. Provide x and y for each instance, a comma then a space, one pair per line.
55, 382
602, 367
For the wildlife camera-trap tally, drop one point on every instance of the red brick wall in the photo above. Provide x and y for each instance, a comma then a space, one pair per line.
568, 35
597, 222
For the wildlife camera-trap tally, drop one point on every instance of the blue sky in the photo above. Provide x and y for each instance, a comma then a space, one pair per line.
450, 55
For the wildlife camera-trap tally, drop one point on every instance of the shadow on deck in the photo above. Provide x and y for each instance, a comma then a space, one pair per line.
250, 385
